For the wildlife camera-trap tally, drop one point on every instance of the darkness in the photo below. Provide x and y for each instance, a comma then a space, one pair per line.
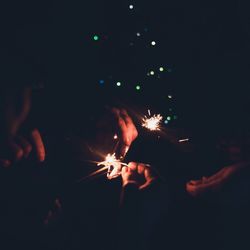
203, 47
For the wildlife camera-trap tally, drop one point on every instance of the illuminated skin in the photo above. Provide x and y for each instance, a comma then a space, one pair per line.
138, 174
214, 182
127, 131
16, 147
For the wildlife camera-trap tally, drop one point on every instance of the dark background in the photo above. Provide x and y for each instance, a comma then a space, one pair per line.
203, 47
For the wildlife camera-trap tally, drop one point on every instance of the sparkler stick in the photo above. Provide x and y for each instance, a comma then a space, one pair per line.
152, 123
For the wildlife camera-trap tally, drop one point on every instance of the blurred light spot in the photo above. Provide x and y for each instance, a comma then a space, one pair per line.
161, 69
153, 43
101, 81
169, 96
131, 6
166, 121
118, 84
115, 137
96, 38
169, 118
152, 72
138, 87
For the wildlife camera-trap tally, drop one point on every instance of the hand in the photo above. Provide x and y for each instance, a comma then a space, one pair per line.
138, 174
127, 131
214, 182
19, 148
116, 127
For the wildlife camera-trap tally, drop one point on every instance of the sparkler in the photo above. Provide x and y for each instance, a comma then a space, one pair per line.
152, 122
113, 166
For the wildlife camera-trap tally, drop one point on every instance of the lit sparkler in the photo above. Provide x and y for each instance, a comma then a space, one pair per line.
152, 122
113, 166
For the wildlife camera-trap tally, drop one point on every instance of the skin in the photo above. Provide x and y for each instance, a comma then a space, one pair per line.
15, 146
137, 174
214, 182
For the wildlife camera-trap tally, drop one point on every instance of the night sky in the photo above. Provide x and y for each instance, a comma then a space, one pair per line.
184, 58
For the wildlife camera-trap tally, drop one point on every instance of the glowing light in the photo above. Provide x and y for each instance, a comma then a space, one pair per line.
166, 121
184, 140
137, 87
131, 6
153, 43
96, 37
152, 72
115, 137
152, 122
138, 34
170, 97
169, 118
118, 84
161, 69
113, 165
101, 81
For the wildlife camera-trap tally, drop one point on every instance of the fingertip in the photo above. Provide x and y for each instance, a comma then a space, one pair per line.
132, 165
18, 154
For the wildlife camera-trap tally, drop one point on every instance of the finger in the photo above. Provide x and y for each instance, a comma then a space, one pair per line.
148, 174
194, 182
124, 170
122, 126
132, 166
16, 151
130, 124
25, 145
147, 184
140, 168
38, 144
5, 163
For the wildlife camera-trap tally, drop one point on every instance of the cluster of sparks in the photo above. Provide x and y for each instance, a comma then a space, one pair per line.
152, 122
112, 165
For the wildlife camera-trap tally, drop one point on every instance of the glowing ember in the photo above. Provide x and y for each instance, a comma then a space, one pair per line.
152, 122
184, 140
113, 165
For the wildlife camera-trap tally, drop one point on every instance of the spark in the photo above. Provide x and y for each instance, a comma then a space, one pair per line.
152, 122
184, 140
113, 166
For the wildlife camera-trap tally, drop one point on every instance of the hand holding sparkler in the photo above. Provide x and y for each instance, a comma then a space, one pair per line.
138, 174
127, 131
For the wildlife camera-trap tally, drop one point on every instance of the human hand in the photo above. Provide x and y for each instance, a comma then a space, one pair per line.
214, 182
20, 147
116, 131
138, 174
127, 131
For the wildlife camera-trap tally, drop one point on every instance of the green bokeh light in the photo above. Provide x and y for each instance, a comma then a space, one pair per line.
96, 37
